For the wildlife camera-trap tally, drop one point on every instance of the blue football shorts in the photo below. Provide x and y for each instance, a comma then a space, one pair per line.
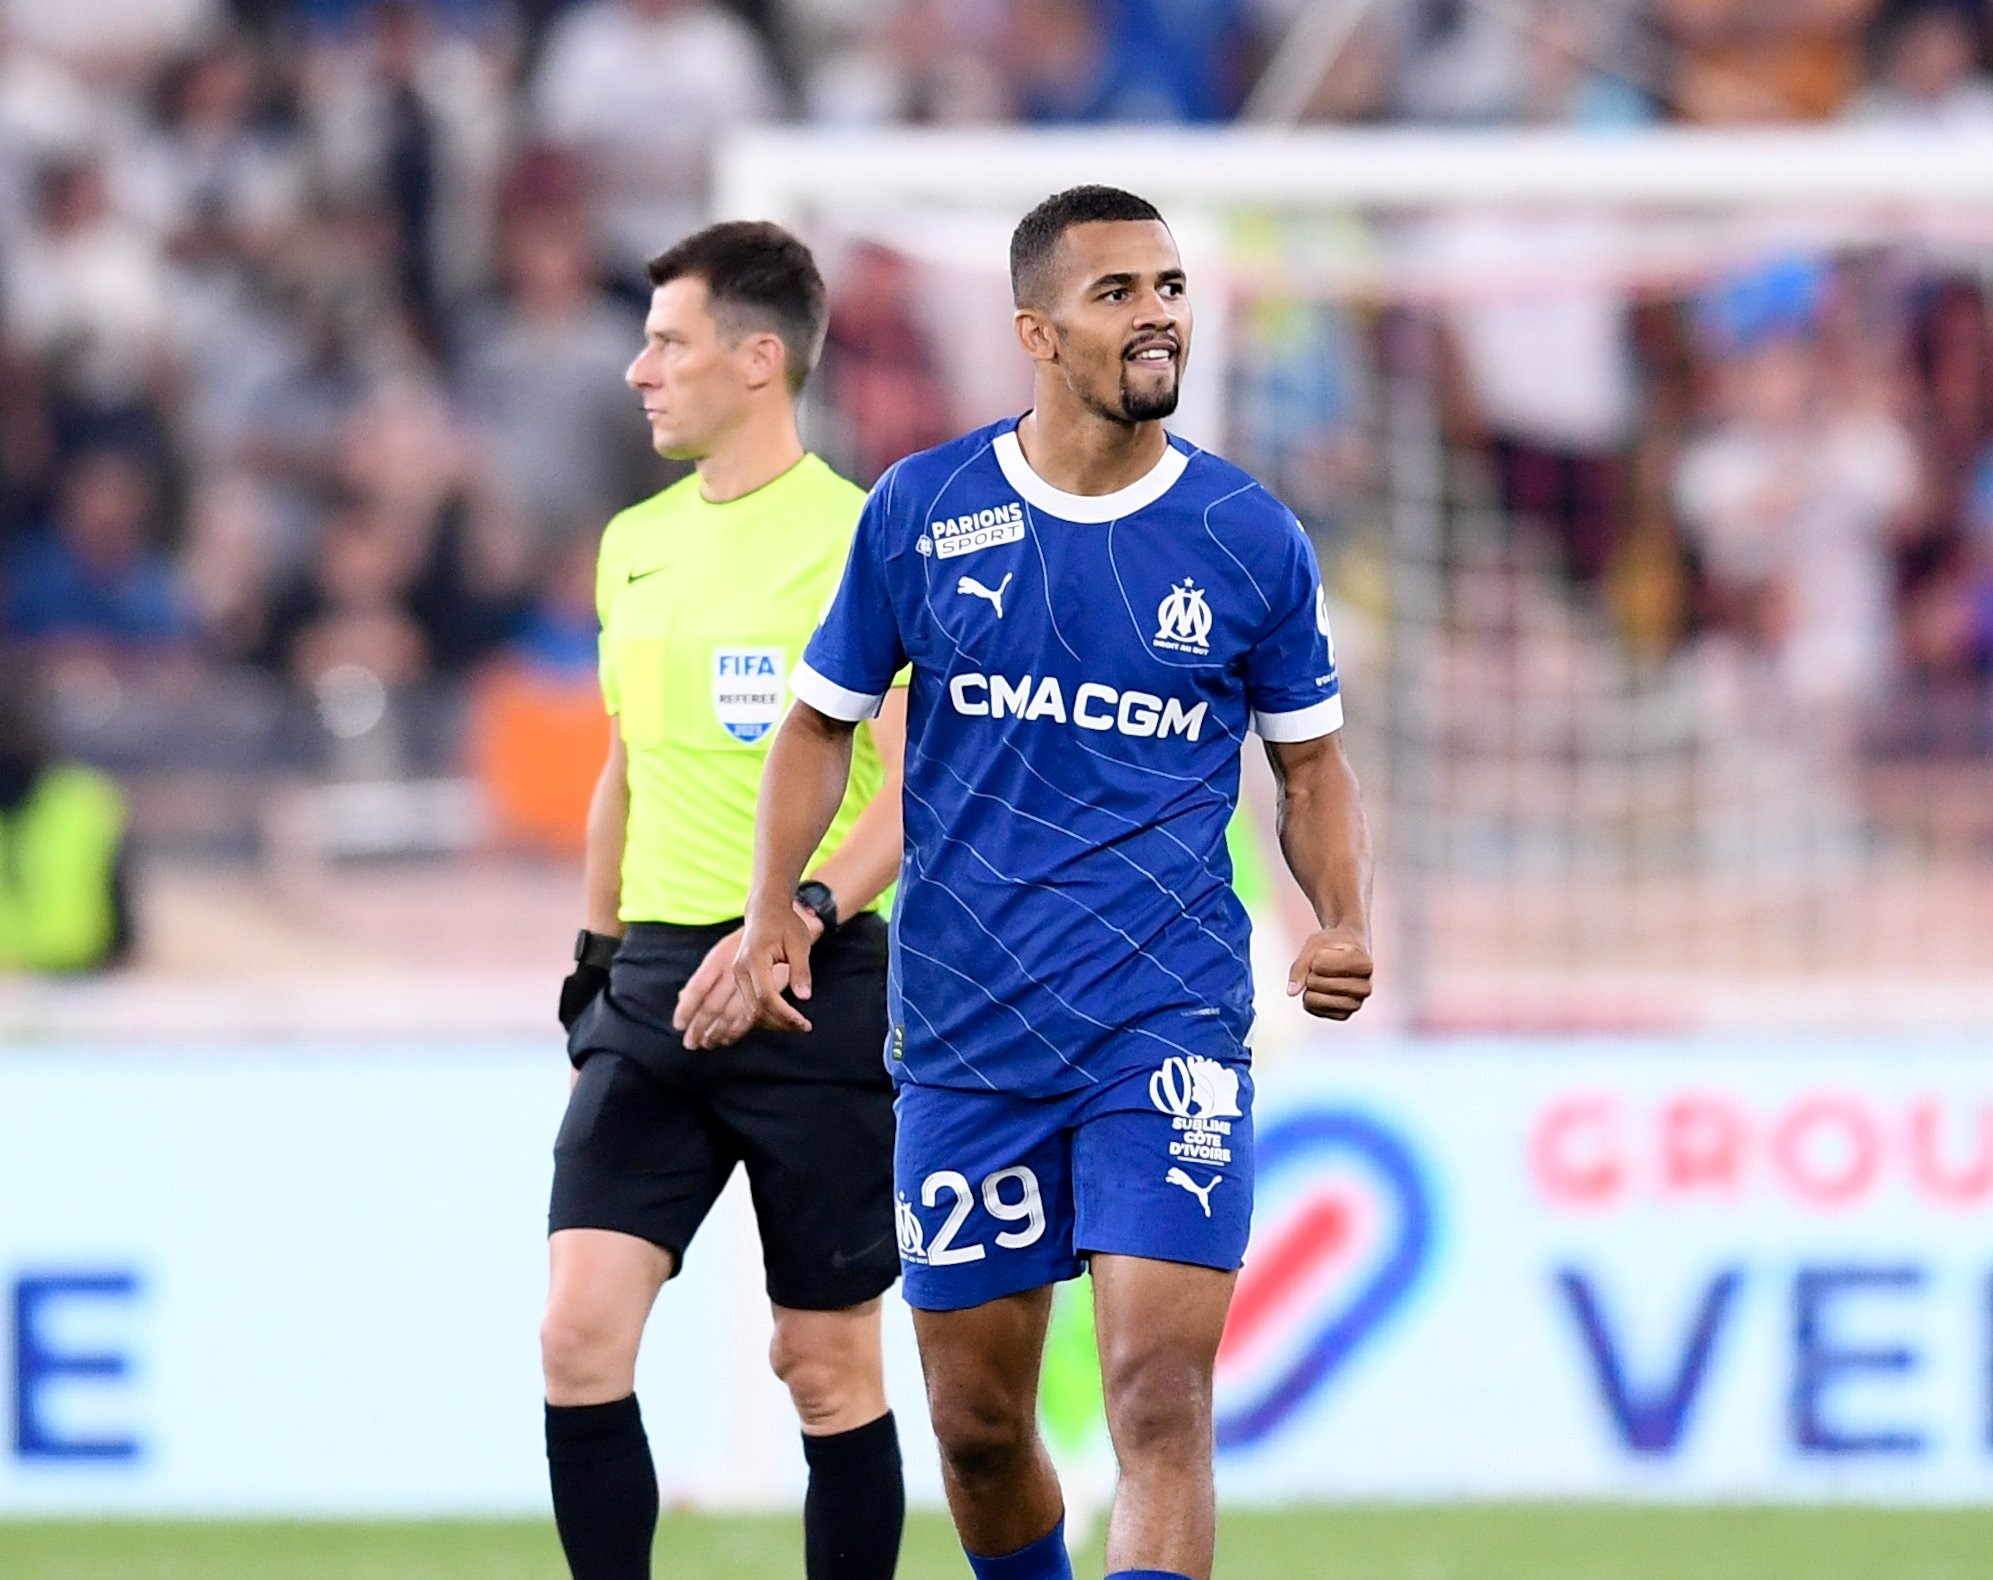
997, 1193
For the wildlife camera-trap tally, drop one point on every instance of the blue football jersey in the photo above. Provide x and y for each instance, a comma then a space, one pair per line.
1085, 671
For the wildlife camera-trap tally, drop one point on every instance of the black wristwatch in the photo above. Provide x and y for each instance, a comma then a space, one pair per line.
816, 898
595, 949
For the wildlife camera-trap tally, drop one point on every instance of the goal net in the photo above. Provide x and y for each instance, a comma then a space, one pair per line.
1650, 477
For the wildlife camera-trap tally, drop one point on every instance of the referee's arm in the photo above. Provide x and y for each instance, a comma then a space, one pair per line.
608, 826
602, 879
712, 1011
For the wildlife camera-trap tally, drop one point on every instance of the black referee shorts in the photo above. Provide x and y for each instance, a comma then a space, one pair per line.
653, 1130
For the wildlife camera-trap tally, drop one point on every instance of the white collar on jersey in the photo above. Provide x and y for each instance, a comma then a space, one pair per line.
1090, 508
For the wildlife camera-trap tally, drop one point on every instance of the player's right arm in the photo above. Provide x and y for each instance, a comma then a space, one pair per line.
844, 677
801, 790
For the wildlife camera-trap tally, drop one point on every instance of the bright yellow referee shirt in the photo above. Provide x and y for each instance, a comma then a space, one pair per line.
705, 609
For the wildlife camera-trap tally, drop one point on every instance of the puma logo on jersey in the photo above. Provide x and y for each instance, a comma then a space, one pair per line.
1202, 1193
975, 589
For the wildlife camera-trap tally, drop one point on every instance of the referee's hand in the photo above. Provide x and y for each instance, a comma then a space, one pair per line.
1332, 973
711, 1011
775, 942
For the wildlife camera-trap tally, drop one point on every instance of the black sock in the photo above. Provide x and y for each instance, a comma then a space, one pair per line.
856, 1505
605, 1489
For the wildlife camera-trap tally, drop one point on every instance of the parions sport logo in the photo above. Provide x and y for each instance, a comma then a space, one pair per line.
978, 529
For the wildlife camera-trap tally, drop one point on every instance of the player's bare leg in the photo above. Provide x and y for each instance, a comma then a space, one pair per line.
982, 1394
601, 1290
1159, 1325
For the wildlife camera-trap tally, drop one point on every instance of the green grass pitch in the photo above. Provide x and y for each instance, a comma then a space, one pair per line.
1399, 1543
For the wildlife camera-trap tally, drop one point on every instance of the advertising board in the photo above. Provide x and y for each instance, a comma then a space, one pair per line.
308, 1281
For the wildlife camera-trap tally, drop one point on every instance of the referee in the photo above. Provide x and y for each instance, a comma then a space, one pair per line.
707, 593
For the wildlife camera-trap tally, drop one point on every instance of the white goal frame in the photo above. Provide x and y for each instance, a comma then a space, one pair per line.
771, 172
783, 172
1851, 182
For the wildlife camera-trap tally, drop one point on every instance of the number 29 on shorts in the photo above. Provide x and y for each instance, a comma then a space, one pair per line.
1010, 1195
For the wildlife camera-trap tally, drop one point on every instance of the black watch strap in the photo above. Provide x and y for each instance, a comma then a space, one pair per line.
595, 949
816, 898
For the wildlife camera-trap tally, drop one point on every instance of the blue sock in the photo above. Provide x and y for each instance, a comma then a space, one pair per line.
1147, 1574
1044, 1559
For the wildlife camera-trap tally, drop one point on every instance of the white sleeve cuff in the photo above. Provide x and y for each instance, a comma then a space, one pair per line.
831, 699
1303, 724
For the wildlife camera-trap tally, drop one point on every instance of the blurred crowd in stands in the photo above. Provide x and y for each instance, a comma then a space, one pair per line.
313, 313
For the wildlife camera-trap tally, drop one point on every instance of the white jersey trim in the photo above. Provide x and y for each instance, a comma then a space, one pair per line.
1303, 724
1092, 509
831, 699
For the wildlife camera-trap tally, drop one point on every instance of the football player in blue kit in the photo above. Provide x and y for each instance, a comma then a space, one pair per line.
1096, 613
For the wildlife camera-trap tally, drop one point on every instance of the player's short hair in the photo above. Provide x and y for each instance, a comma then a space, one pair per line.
1038, 234
758, 277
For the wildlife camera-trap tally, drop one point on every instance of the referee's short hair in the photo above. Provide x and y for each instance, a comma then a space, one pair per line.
758, 277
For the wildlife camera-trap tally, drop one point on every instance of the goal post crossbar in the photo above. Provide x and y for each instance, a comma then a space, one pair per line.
773, 171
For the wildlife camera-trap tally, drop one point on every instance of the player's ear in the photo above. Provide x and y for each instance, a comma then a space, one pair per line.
1035, 334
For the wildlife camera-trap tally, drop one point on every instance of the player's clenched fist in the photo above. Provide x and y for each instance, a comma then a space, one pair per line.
774, 947
1332, 973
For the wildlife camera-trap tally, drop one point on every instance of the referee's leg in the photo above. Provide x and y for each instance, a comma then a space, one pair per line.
601, 1287
819, 1165
636, 1169
830, 1363
600, 1292
855, 1505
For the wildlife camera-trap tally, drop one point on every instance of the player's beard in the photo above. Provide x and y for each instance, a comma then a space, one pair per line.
1133, 403
1152, 406
1126, 405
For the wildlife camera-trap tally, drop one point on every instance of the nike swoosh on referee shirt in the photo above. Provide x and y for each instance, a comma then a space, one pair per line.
841, 1260
637, 576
